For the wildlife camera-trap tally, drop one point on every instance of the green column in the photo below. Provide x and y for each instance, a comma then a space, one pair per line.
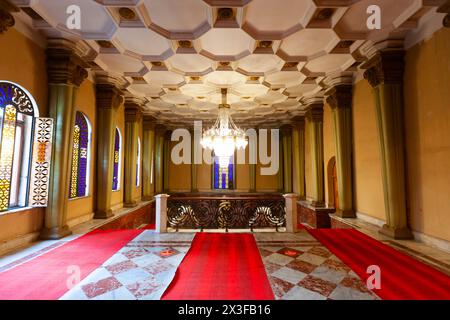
108, 99
287, 158
132, 117
159, 142
340, 100
315, 117
65, 75
148, 152
166, 159
298, 156
385, 74
194, 166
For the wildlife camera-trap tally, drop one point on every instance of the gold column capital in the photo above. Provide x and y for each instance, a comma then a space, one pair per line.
133, 112
6, 18
108, 96
63, 65
149, 123
387, 66
340, 96
314, 112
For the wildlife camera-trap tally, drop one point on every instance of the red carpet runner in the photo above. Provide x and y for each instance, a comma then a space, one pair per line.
402, 277
45, 277
221, 266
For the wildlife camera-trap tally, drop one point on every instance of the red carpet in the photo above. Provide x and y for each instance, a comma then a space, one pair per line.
221, 266
402, 277
45, 277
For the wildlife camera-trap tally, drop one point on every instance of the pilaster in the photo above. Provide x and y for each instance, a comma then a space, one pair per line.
148, 154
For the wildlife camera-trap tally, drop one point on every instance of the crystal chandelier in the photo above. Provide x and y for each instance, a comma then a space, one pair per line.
224, 137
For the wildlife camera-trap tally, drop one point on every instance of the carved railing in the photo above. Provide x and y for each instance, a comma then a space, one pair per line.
226, 212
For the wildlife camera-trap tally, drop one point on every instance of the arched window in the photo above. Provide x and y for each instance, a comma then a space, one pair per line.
138, 163
223, 177
19, 162
117, 160
80, 157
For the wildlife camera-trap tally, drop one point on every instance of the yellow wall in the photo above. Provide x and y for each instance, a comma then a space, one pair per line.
117, 196
308, 161
86, 103
427, 121
266, 183
23, 62
137, 190
368, 187
329, 145
179, 175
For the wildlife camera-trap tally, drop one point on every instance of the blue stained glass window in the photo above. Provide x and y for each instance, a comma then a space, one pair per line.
223, 177
116, 165
80, 157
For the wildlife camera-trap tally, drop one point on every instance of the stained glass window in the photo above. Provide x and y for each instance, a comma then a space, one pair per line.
223, 177
138, 163
17, 114
117, 160
80, 157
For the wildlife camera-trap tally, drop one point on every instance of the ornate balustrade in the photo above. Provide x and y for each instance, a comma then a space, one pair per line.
234, 211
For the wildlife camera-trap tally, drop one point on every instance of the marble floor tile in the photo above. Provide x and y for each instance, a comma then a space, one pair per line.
301, 266
278, 259
132, 276
100, 287
279, 286
121, 267
289, 275
318, 285
325, 273
312, 258
345, 293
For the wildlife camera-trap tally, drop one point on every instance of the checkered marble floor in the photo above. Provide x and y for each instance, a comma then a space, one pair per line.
300, 268
142, 270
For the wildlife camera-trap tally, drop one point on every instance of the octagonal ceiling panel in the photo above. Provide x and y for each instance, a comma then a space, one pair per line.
303, 89
198, 90
145, 90
159, 105
260, 63
224, 78
330, 63
95, 21
226, 44
144, 42
284, 79
353, 25
202, 105
164, 78
190, 63
176, 98
119, 63
286, 17
271, 97
175, 19
249, 90
309, 43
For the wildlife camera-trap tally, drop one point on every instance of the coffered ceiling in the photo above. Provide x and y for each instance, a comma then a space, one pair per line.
271, 55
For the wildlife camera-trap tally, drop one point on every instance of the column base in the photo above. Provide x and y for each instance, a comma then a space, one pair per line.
55, 233
147, 198
103, 214
345, 213
396, 233
131, 204
316, 217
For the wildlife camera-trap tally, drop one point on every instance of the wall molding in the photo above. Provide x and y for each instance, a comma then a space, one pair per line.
10, 245
441, 244
367, 218
78, 220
